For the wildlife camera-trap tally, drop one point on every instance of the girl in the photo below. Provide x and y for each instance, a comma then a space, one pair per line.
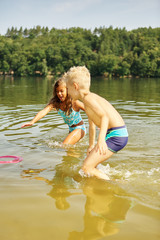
68, 109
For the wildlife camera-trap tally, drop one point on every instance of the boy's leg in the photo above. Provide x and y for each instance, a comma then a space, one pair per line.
74, 136
91, 162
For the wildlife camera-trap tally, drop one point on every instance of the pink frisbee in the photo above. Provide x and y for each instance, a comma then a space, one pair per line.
15, 159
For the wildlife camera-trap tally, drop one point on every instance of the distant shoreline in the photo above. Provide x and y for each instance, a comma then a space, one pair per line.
104, 51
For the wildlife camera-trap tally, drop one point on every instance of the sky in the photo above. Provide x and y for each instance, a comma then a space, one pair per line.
89, 14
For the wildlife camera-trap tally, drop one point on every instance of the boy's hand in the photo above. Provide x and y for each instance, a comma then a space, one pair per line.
101, 147
27, 124
90, 149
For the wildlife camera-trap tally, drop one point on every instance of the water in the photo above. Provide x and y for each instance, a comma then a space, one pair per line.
45, 197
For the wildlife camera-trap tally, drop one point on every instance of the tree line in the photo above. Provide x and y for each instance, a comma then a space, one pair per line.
104, 51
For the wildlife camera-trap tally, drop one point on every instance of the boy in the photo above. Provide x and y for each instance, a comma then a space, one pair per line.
113, 135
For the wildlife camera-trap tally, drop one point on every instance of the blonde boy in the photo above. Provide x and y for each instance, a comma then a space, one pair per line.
113, 135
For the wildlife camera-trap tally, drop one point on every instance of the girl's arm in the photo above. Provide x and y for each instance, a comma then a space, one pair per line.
77, 105
39, 115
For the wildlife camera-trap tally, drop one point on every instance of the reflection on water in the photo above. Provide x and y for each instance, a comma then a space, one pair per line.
106, 204
85, 208
104, 210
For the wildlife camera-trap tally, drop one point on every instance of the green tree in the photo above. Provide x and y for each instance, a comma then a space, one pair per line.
104, 51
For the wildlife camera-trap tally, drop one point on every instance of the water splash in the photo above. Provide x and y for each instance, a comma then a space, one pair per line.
53, 144
143, 184
83, 174
129, 174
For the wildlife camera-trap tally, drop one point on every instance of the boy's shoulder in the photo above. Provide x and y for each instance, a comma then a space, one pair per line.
90, 98
91, 95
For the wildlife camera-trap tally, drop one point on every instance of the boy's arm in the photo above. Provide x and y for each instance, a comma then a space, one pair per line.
92, 133
101, 145
39, 115
98, 109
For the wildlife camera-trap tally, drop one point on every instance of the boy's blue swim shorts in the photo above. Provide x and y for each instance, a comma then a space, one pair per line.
116, 138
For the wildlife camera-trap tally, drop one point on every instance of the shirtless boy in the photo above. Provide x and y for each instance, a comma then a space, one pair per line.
113, 135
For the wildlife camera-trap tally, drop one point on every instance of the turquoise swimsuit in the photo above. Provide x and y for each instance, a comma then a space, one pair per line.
72, 119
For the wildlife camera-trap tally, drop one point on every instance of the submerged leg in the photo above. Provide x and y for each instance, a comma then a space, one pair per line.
74, 136
91, 162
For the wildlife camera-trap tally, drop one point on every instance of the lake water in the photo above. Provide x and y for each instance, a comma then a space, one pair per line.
45, 197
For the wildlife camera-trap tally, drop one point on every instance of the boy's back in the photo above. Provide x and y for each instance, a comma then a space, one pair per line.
96, 106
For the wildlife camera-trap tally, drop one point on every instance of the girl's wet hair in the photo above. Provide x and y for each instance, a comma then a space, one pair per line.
55, 101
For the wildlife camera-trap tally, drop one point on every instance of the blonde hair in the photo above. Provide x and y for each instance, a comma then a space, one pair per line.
80, 75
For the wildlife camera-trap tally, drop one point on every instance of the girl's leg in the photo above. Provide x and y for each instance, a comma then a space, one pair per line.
91, 162
74, 136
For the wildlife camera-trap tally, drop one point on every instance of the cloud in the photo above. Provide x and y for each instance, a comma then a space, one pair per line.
73, 5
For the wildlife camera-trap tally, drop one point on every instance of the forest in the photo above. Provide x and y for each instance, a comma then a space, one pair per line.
104, 51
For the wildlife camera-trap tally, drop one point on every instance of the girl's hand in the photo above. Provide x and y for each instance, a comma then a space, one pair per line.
101, 147
27, 124
90, 149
